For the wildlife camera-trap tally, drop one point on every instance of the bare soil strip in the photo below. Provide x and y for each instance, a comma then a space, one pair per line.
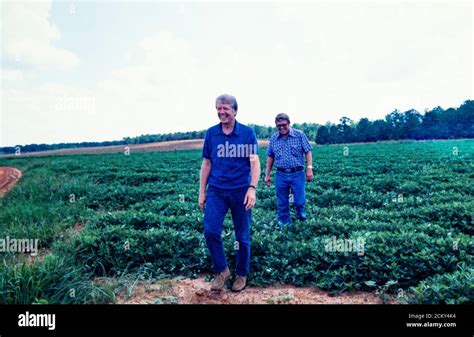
175, 145
196, 291
8, 177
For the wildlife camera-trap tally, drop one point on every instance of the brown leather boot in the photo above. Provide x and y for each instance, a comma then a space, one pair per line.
220, 280
239, 283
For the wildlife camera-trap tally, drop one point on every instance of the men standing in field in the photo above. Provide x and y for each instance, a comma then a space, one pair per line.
287, 149
230, 170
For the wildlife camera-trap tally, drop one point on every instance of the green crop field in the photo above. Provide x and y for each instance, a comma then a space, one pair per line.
410, 204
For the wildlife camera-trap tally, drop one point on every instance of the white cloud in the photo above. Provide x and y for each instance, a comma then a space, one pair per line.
167, 86
372, 58
356, 60
155, 88
28, 37
50, 113
10, 75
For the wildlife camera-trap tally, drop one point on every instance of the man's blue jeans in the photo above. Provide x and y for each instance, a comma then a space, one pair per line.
283, 183
218, 202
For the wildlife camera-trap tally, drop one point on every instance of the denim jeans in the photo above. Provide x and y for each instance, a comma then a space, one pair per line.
218, 202
283, 183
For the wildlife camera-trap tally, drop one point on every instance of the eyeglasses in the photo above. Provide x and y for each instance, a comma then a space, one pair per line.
282, 126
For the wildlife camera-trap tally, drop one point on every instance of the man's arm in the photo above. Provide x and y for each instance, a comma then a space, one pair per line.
205, 172
251, 195
309, 166
268, 178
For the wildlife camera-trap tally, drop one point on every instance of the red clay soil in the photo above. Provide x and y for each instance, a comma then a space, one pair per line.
8, 177
196, 291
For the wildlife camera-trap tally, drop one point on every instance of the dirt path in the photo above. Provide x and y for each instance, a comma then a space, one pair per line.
8, 177
188, 291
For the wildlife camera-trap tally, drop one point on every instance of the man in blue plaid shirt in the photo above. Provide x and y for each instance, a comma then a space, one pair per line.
287, 149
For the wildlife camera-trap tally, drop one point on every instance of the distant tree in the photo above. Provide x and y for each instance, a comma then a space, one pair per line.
431, 124
345, 130
363, 130
465, 119
333, 134
322, 136
411, 128
395, 121
381, 129
310, 130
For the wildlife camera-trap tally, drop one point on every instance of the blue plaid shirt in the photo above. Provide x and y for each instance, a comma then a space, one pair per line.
289, 151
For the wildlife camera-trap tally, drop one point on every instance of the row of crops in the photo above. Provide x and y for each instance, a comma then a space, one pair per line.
409, 203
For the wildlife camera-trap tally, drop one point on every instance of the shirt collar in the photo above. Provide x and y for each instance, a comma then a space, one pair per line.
290, 133
235, 131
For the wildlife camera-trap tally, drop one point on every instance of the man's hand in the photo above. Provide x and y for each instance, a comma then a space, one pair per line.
250, 198
309, 174
202, 200
268, 180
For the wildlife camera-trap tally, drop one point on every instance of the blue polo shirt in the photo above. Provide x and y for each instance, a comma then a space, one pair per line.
289, 151
230, 155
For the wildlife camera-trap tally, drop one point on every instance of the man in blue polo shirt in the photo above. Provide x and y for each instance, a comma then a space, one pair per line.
230, 170
287, 149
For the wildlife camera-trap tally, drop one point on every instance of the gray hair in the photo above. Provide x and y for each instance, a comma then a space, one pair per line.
282, 117
228, 99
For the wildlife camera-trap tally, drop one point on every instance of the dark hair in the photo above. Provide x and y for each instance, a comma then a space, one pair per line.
282, 117
228, 99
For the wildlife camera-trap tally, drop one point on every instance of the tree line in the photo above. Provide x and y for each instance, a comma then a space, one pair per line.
433, 124
411, 124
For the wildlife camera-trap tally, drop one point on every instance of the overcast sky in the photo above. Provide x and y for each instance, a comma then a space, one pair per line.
76, 71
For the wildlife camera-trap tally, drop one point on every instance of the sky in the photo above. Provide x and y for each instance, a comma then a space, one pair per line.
75, 71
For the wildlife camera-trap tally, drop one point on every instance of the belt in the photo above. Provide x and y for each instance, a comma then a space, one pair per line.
290, 170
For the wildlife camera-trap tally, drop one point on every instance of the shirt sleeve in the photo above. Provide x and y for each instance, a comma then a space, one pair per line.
306, 145
206, 149
270, 152
254, 142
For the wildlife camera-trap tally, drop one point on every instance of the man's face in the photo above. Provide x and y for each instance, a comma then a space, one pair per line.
283, 127
225, 112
